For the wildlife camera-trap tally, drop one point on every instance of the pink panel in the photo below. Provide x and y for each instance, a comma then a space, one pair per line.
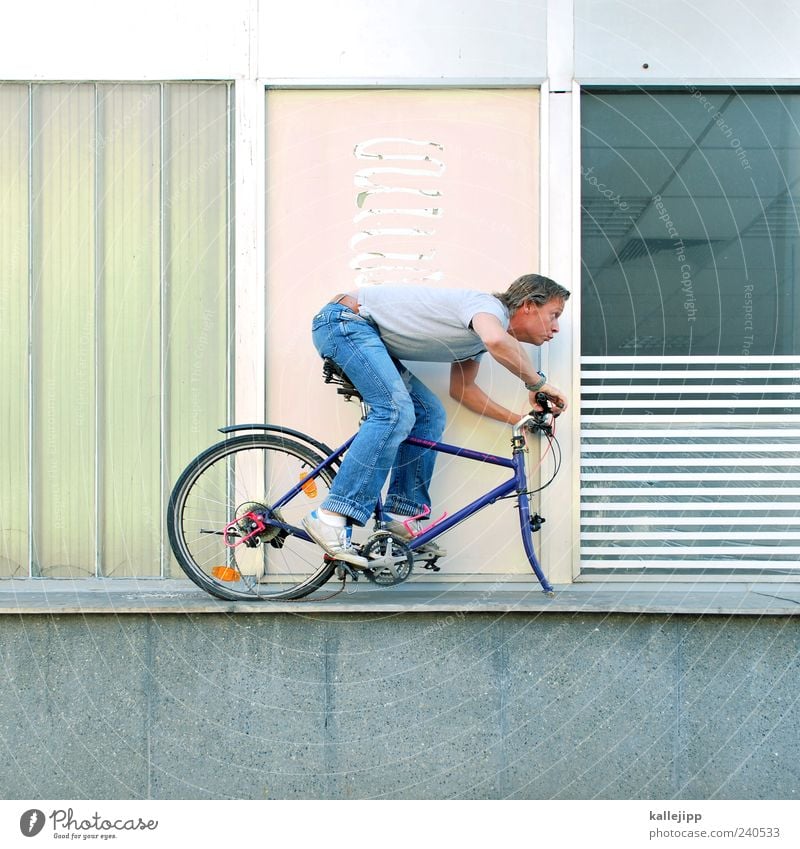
431, 186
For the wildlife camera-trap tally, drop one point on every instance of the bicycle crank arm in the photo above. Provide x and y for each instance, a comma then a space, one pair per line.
426, 556
387, 561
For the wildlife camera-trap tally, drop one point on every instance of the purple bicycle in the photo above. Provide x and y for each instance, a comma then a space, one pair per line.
234, 516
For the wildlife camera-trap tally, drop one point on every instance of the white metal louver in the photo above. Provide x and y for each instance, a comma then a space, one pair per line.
690, 464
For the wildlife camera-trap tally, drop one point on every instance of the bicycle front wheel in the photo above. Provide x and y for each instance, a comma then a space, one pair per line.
230, 525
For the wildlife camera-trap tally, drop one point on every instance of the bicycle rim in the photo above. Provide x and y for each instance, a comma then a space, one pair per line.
226, 495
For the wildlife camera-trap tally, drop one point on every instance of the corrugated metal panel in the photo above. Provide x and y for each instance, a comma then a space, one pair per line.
690, 464
14, 165
129, 154
196, 209
115, 205
63, 306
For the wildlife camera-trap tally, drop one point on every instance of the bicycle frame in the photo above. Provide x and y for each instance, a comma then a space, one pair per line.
516, 484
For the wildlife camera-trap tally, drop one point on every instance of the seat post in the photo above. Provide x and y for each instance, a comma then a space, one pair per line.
333, 373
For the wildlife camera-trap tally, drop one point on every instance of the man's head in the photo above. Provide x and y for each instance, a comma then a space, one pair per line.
534, 303
531, 288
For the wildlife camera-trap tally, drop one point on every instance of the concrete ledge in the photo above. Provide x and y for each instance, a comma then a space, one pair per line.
131, 596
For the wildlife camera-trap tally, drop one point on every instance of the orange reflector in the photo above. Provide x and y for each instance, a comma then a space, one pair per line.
309, 487
225, 573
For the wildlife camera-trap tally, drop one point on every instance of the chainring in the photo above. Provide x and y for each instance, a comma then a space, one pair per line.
391, 560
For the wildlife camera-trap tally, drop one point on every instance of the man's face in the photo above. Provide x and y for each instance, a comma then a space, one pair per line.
536, 323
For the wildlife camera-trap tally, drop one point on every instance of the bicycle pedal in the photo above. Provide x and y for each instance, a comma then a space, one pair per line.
351, 568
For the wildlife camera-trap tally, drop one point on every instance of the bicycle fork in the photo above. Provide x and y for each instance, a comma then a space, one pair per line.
525, 518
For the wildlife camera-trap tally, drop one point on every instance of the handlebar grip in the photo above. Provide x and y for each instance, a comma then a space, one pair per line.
541, 418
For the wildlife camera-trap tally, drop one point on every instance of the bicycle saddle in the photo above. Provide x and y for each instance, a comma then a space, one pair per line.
333, 373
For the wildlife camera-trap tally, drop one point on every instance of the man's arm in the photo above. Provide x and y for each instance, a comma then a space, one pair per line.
466, 391
504, 348
508, 351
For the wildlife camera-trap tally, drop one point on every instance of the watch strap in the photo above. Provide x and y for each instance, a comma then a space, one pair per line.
535, 387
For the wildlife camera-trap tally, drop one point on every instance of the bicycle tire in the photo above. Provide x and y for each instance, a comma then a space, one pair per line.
225, 488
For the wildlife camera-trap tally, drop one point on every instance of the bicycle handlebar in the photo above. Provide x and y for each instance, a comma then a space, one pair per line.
540, 421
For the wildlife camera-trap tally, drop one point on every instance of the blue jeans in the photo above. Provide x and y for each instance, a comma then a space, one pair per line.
399, 406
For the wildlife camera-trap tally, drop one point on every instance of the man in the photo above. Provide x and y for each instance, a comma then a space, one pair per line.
368, 333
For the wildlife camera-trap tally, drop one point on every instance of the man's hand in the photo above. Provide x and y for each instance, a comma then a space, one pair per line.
556, 396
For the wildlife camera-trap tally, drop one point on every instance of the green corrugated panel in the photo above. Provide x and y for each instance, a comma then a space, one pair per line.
196, 262
14, 330
128, 315
129, 152
64, 439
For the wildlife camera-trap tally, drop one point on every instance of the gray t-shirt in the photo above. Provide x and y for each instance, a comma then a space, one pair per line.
427, 324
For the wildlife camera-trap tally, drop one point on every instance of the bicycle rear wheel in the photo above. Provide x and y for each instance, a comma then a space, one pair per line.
222, 519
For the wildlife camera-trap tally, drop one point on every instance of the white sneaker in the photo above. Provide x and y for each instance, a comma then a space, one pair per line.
333, 540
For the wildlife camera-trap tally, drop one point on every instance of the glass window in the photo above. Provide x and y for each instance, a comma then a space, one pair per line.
690, 226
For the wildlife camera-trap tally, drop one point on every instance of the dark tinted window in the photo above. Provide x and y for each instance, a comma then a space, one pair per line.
690, 233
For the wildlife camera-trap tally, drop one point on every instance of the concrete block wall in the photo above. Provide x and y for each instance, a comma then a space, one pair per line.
572, 706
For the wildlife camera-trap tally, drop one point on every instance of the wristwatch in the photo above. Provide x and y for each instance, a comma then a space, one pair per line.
535, 387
